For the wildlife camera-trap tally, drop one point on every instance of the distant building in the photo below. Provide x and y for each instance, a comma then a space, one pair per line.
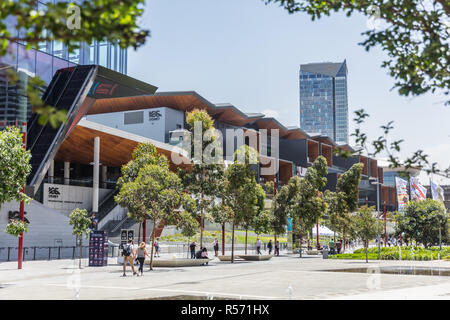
323, 99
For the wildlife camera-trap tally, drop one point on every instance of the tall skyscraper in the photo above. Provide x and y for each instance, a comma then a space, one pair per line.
44, 62
323, 99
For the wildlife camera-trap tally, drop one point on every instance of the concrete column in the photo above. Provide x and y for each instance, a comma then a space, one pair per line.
66, 172
51, 172
96, 174
104, 176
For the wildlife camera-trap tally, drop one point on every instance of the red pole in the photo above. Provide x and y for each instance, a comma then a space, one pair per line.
385, 233
22, 204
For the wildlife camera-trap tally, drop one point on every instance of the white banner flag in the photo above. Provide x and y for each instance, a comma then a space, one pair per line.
418, 191
402, 193
436, 191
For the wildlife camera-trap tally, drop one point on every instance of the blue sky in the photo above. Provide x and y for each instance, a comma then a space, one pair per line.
248, 54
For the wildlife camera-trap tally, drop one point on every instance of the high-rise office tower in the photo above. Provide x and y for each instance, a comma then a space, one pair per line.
323, 99
44, 62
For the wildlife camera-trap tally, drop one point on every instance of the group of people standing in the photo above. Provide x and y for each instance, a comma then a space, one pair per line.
269, 247
203, 252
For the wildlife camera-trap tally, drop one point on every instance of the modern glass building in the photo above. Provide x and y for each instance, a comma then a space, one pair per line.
323, 99
44, 62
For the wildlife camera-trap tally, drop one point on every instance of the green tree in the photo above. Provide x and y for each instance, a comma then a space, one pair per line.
345, 200
70, 24
81, 222
203, 182
242, 195
413, 33
158, 193
302, 200
14, 166
421, 221
366, 226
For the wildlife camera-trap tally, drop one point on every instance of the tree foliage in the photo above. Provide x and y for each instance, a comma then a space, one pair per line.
421, 221
302, 200
14, 166
365, 226
413, 33
16, 228
81, 226
70, 24
155, 192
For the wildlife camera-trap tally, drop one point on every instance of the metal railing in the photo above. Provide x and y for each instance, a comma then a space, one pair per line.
50, 253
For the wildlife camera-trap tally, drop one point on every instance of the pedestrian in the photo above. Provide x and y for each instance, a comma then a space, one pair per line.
156, 244
277, 248
192, 247
331, 245
141, 253
269, 246
338, 246
258, 246
216, 247
128, 257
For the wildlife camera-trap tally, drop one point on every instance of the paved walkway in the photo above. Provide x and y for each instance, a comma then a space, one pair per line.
284, 277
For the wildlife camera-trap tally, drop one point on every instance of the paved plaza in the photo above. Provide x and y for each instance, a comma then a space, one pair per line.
284, 277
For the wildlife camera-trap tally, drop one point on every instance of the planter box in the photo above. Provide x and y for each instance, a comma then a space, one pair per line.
169, 263
228, 258
256, 257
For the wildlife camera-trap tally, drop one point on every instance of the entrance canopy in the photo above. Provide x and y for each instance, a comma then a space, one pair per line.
323, 231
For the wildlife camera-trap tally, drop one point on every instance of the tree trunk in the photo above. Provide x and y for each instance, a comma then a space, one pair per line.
343, 236
232, 245
139, 233
300, 242
153, 242
201, 223
366, 245
81, 251
246, 231
144, 231
223, 239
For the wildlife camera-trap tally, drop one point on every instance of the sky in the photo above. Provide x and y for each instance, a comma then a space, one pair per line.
247, 53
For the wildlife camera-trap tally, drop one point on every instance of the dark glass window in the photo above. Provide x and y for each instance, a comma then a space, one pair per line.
133, 117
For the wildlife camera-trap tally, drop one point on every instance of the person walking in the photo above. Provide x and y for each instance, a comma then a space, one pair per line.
141, 253
269, 246
216, 247
156, 244
192, 247
258, 246
128, 257
277, 248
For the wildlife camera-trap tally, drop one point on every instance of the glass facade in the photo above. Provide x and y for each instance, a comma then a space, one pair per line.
50, 56
323, 100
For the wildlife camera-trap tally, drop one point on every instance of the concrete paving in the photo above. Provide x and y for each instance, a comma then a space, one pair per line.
284, 277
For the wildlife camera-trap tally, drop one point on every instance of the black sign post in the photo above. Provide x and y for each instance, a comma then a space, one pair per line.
98, 249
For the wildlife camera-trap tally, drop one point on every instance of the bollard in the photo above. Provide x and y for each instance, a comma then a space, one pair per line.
9, 250
73, 253
59, 252
49, 252
34, 253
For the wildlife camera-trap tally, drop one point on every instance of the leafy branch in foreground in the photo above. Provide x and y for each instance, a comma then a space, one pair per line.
392, 148
102, 20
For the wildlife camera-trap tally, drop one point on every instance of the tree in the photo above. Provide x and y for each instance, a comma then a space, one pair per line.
156, 192
302, 200
242, 194
366, 226
413, 33
81, 222
204, 180
14, 166
345, 200
70, 24
422, 220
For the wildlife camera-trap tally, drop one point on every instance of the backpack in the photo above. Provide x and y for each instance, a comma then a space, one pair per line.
126, 250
